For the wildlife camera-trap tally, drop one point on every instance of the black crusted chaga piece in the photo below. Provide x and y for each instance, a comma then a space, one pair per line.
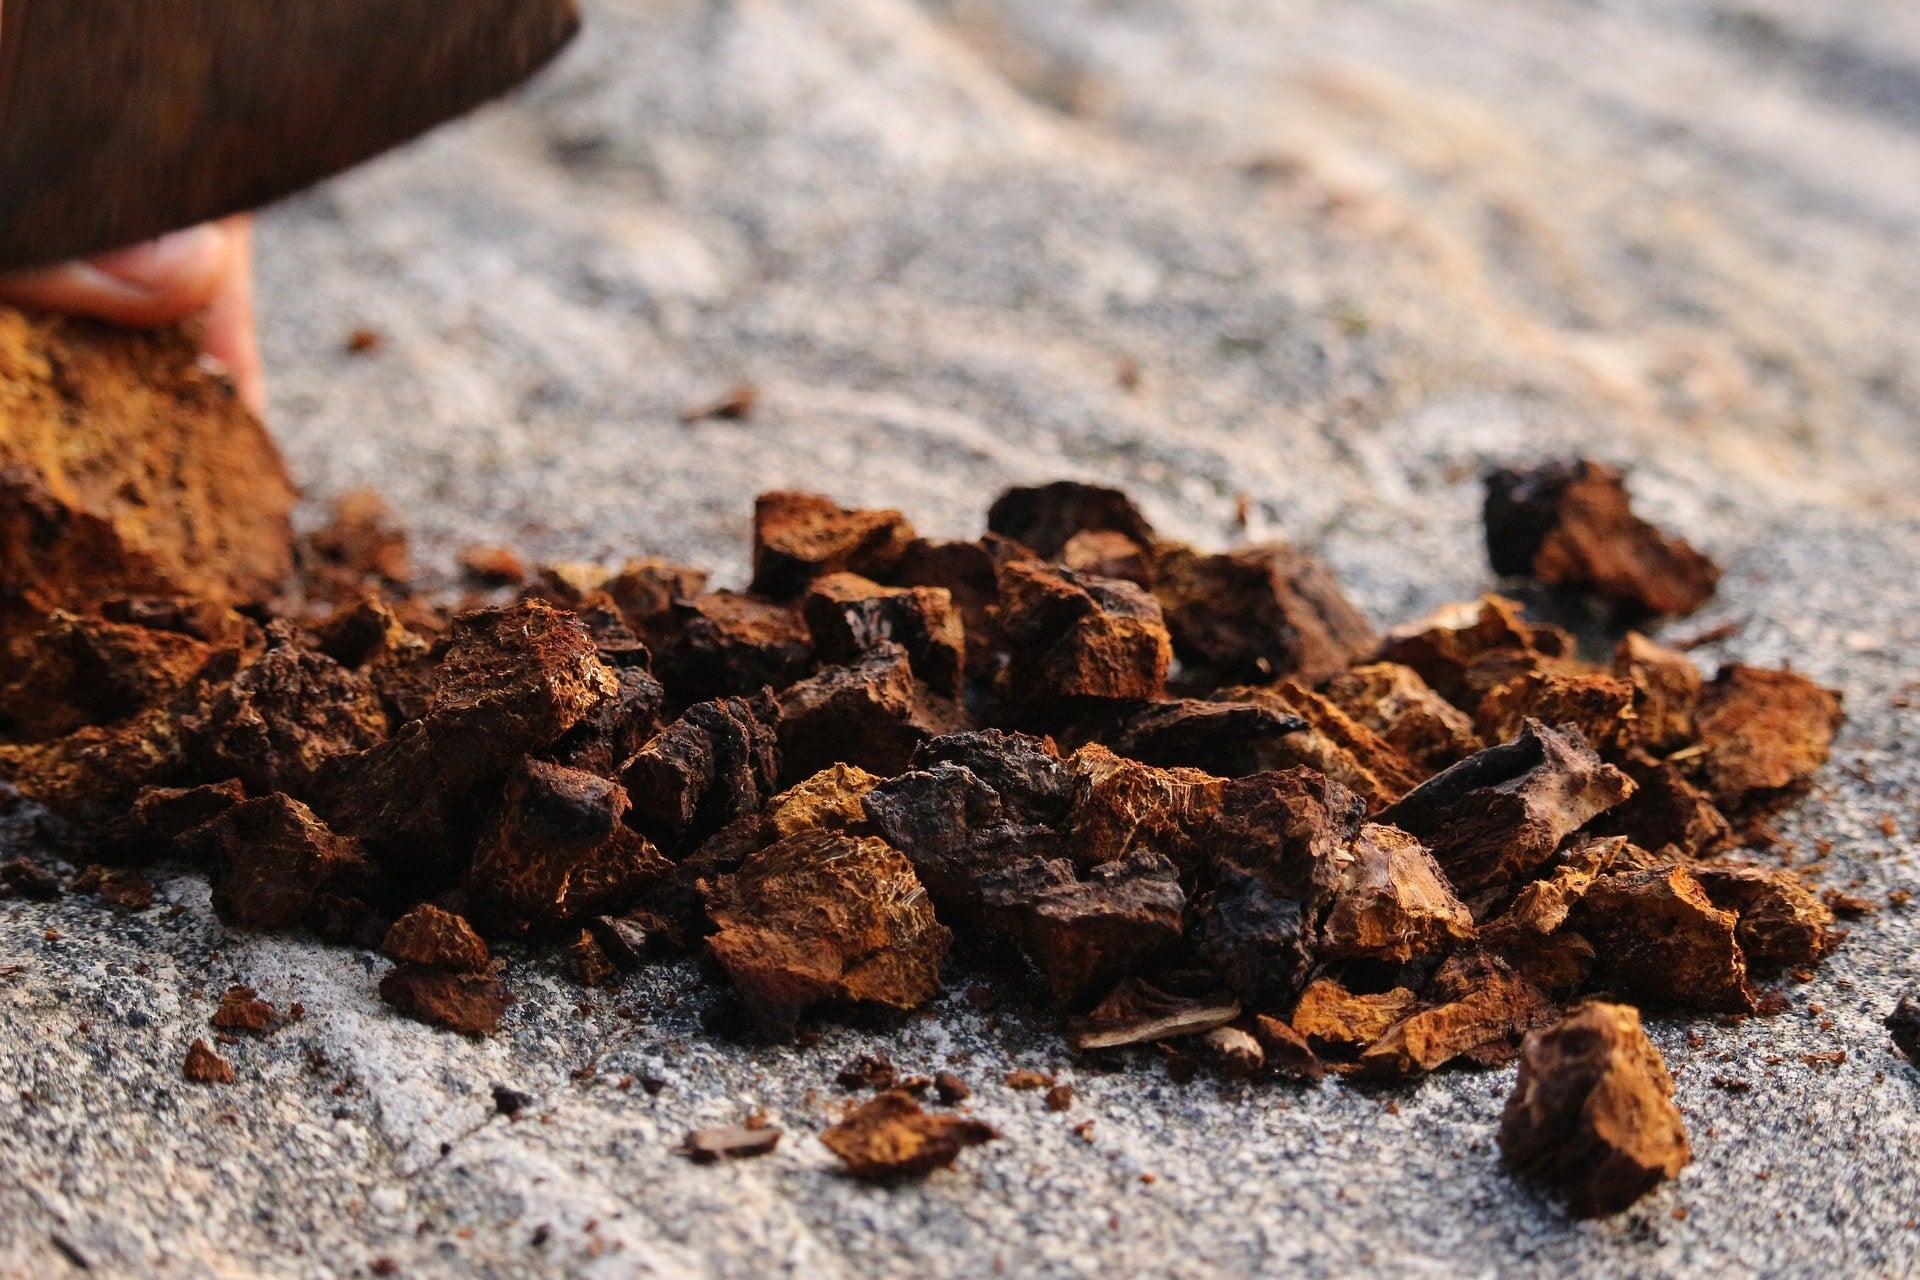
272, 859
718, 762
1569, 523
80, 671
723, 644
369, 637
1666, 692
1394, 702
428, 935
1783, 924
645, 590
1334, 743
1273, 866
1393, 903
158, 816
470, 1003
1069, 636
1047, 517
872, 714
1903, 1027
1119, 805
1228, 739
1477, 1008
1466, 649
1493, 818
1139, 1012
1763, 735
1666, 814
798, 537
1254, 615
1591, 1114
849, 616
890, 1137
612, 734
1599, 705
1084, 932
823, 917
1660, 938
554, 848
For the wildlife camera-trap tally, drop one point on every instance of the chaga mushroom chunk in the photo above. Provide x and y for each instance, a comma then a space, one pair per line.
1394, 702
1666, 813
1047, 517
1084, 934
822, 916
1464, 650
470, 1003
872, 714
1480, 1008
367, 636
1068, 636
645, 590
1494, 817
798, 537
1764, 734
1591, 1114
968, 572
431, 936
272, 859
1782, 924
849, 616
1105, 553
727, 645
1331, 1016
1393, 903
1660, 938
718, 762
1666, 692
890, 1137
1599, 705
614, 732
1254, 615
1227, 739
1334, 743
158, 816
92, 774
1120, 805
1569, 523
86, 671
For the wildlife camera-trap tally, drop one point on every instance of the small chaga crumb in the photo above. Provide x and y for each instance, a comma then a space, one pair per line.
587, 964
731, 405
1060, 1098
1393, 903
242, 1009
848, 616
1329, 1014
1048, 517
1763, 734
1660, 937
273, 859
798, 537
470, 1003
1569, 523
868, 1071
1903, 1025
204, 1066
1137, 1012
1237, 1053
1394, 702
1782, 924
1068, 635
1848, 906
950, 1087
364, 342
1025, 1079
510, 1102
734, 1142
1254, 615
29, 879
1286, 1050
823, 916
116, 888
491, 566
1592, 1113
431, 936
891, 1137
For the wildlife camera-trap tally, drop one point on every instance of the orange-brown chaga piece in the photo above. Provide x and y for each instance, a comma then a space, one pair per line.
1069, 636
1047, 517
91, 775
848, 616
822, 917
361, 544
1659, 937
1394, 702
871, 713
1254, 615
798, 537
158, 816
1393, 903
1666, 692
204, 1066
1783, 925
724, 644
890, 1136
1478, 1009
272, 858
1591, 1114
1763, 735
969, 573
717, 763
1119, 805
431, 936
1599, 705
470, 1003
242, 1009
82, 671
646, 589
1569, 523
1466, 649
556, 847
1107, 553
1493, 818
1228, 739
1332, 1016
127, 469
1334, 743
1666, 814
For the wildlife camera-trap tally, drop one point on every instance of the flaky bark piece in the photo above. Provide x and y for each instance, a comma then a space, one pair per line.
1070, 636
849, 616
1782, 923
798, 537
1660, 938
1253, 615
1393, 903
429, 935
1591, 1114
825, 917
1763, 735
1334, 743
1407, 713
871, 713
1138, 1012
1046, 517
724, 644
890, 1137
273, 858
470, 1003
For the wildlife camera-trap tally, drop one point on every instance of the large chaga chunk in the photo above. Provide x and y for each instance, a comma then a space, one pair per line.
128, 469
1660, 938
470, 1003
825, 917
726, 645
1782, 924
871, 714
890, 1137
272, 859
1393, 903
1084, 933
1763, 735
1047, 517
1394, 702
1666, 813
1229, 739
1250, 616
1591, 1114
1482, 1009
88, 671
1494, 817
717, 763
1066, 635
798, 537
1569, 524
849, 616
1464, 650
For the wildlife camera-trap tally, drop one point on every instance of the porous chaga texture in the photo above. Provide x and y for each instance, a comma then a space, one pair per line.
368, 636
1666, 692
81, 671
819, 917
723, 644
1478, 1007
849, 616
608, 737
1763, 735
1591, 1114
470, 1003
798, 537
1494, 817
1138, 1012
1332, 1016
1599, 705
1394, 702
1465, 650
1666, 813
717, 763
1069, 636
1227, 739
1782, 924
158, 816
890, 1136
1047, 517
1569, 523
1660, 938
1393, 903
1084, 932
1254, 615
127, 469
1119, 805
272, 858
871, 714
1334, 743
428, 935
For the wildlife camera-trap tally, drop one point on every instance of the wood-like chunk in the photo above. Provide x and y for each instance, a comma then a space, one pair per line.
1234, 1051
890, 1136
1482, 1008
204, 1066
1591, 1114
1330, 1015
611, 735
470, 1003
1466, 649
429, 935
1106, 553
1067, 635
1493, 818
272, 858
1660, 938
1569, 523
1138, 1012
825, 917
1226, 739
1393, 903
586, 963
1763, 735
1599, 705
966, 572
646, 590
1334, 743
1084, 932
717, 763
1783, 925
871, 714
798, 537
849, 616
1666, 692
733, 1142
81, 671
727, 645
1047, 517
1666, 813
1394, 702
1254, 615
1287, 1051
